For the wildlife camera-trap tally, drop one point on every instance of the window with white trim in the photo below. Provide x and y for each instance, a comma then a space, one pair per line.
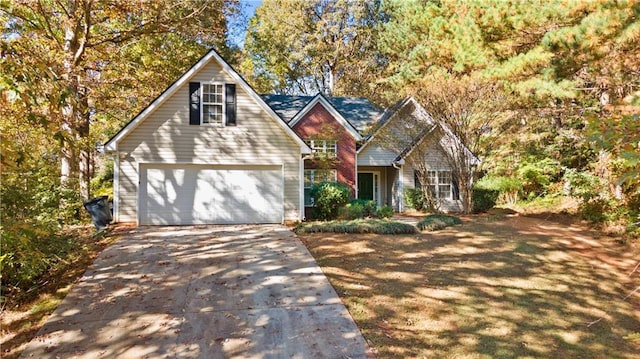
324, 148
312, 177
439, 183
212, 103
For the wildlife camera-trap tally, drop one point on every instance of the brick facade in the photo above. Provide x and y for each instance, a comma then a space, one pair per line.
319, 124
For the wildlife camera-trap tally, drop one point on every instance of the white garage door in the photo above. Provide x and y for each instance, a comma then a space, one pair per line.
194, 194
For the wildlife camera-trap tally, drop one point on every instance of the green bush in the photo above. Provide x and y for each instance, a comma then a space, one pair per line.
384, 212
414, 199
582, 184
329, 197
536, 176
352, 210
507, 187
28, 252
360, 208
378, 226
484, 199
434, 222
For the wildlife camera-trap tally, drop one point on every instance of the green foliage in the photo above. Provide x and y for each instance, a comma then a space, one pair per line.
379, 226
507, 187
414, 198
434, 222
329, 197
484, 199
536, 176
28, 252
352, 211
582, 184
384, 212
102, 182
361, 208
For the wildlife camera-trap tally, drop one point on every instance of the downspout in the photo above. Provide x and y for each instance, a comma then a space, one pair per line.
302, 207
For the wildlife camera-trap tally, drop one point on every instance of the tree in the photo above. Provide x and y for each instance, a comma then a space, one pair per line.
548, 53
305, 47
71, 64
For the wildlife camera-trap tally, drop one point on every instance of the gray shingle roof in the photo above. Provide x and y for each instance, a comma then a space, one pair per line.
357, 110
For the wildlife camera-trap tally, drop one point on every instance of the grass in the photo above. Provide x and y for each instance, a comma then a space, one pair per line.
23, 314
434, 222
515, 287
379, 226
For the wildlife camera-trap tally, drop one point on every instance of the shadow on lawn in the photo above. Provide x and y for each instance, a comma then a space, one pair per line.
514, 287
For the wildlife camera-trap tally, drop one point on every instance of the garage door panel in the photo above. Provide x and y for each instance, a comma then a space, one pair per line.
202, 195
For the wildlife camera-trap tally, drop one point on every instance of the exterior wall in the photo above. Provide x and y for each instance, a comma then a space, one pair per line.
374, 155
318, 123
166, 137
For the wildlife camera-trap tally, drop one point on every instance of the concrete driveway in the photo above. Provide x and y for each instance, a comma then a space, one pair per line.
202, 292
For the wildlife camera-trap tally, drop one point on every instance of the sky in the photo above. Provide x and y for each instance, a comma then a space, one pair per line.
248, 9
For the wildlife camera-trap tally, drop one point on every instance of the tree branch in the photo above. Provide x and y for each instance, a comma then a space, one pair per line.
634, 270
631, 293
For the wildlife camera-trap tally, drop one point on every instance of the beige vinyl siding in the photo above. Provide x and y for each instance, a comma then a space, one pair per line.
374, 155
165, 136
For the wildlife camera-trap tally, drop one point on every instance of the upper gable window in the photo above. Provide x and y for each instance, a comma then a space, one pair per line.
212, 104
324, 148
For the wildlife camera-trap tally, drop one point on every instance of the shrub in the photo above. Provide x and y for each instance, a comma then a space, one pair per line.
378, 226
536, 176
434, 222
362, 208
507, 187
582, 184
352, 210
413, 198
28, 252
384, 212
329, 197
484, 199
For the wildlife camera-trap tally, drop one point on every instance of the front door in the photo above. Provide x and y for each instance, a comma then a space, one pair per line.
368, 186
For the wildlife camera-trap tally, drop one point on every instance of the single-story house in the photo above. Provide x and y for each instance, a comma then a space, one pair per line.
210, 150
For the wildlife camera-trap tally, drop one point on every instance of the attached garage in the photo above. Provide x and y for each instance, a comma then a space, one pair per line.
180, 194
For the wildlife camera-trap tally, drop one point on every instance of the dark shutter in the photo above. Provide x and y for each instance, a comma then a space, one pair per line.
230, 103
416, 180
456, 188
194, 103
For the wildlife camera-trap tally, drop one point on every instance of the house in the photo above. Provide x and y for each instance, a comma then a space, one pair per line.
350, 132
210, 150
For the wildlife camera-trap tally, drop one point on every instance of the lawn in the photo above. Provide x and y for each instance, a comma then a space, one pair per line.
494, 287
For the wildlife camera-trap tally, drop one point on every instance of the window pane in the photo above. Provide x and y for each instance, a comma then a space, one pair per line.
431, 177
308, 180
332, 148
308, 201
444, 191
212, 114
444, 177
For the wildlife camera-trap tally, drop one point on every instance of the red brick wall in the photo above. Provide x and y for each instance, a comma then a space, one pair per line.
318, 123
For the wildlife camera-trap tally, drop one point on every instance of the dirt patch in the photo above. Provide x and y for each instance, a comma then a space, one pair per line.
500, 285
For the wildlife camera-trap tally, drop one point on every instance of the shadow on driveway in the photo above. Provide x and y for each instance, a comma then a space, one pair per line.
202, 292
